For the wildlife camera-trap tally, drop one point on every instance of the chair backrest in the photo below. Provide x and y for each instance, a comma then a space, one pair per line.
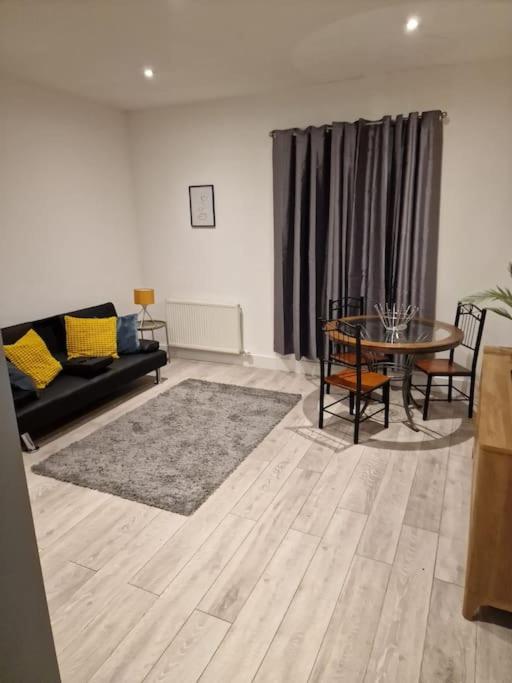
470, 319
356, 332
345, 307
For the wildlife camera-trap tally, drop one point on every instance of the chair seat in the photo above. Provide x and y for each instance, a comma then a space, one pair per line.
442, 367
349, 357
347, 379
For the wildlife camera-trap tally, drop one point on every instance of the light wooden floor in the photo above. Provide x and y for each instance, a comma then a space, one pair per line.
315, 561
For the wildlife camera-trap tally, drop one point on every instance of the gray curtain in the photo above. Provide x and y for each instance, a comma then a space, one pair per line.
356, 213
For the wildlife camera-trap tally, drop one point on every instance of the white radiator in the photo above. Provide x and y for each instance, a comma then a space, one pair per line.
205, 327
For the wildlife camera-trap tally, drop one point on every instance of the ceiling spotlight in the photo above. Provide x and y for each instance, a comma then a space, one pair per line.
148, 72
412, 24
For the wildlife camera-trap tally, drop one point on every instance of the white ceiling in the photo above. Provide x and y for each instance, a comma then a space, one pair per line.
204, 49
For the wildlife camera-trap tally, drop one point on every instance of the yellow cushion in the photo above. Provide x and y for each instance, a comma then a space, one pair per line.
90, 337
30, 355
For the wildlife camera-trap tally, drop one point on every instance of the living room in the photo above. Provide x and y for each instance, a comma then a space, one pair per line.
193, 521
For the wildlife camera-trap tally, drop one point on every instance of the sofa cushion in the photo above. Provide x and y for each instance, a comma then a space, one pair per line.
90, 337
127, 334
22, 386
19, 379
31, 355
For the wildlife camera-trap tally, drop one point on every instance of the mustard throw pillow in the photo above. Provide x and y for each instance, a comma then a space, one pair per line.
30, 355
91, 337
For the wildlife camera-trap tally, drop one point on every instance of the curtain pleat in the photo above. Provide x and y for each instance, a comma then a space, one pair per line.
284, 205
356, 213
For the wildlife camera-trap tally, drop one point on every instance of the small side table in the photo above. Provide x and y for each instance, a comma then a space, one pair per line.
151, 326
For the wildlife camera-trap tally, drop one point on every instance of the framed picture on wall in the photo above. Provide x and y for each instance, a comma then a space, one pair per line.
202, 206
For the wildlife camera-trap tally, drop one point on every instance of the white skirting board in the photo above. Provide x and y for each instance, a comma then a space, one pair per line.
285, 363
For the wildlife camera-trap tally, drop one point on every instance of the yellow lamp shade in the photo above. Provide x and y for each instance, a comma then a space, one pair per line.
144, 296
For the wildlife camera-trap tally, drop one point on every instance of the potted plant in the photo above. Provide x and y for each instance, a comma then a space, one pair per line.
502, 295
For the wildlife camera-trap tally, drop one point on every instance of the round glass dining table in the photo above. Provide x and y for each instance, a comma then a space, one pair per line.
420, 336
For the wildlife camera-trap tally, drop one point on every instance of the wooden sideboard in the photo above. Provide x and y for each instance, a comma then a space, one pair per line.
489, 560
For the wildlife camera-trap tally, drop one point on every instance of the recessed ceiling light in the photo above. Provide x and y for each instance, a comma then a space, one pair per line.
148, 72
412, 24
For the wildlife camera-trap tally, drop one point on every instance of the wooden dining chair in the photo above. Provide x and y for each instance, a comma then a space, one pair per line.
470, 319
343, 308
341, 353
359, 381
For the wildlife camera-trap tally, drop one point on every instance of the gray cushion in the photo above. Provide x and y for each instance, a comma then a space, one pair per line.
127, 334
19, 379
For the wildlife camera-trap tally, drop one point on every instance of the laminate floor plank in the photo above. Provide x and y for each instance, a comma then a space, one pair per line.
292, 653
257, 499
318, 455
154, 633
462, 437
158, 573
426, 499
61, 580
450, 643
364, 485
85, 654
190, 652
455, 514
317, 511
451, 560
346, 648
65, 506
229, 593
398, 646
102, 588
98, 537
261, 615
382, 531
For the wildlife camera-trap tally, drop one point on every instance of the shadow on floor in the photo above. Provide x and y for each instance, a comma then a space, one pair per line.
456, 430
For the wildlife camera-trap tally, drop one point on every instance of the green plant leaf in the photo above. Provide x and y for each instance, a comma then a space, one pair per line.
501, 311
502, 295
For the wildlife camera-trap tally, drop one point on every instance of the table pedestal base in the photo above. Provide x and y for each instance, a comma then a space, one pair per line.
400, 370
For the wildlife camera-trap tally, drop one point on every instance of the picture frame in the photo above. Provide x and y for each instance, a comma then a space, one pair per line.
202, 206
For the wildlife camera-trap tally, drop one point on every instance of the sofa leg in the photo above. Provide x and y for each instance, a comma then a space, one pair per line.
28, 444
157, 376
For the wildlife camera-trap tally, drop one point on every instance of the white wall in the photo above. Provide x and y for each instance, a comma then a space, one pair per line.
226, 143
67, 221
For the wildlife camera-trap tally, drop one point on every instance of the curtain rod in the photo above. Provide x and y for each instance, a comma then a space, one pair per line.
444, 115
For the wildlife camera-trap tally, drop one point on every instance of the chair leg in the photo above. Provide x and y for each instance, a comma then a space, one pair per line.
471, 396
329, 369
357, 418
351, 403
385, 392
450, 388
427, 397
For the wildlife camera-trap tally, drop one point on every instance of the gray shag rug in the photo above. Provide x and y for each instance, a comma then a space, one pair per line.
175, 450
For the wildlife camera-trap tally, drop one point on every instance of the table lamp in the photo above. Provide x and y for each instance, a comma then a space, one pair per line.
144, 297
